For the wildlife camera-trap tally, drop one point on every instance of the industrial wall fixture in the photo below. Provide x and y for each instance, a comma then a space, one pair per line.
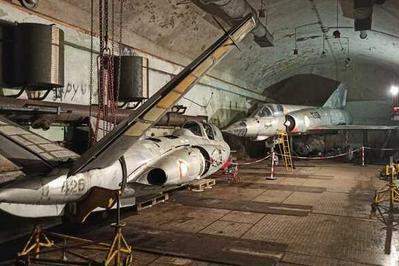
29, 3
129, 86
232, 12
37, 58
6, 50
337, 34
363, 15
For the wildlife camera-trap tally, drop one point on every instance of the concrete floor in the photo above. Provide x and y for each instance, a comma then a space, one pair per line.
338, 230
332, 227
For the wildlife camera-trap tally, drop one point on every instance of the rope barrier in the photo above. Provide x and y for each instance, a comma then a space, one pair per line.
381, 149
252, 162
315, 157
323, 157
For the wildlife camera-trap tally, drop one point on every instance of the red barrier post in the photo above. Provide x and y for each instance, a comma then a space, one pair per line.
272, 169
362, 154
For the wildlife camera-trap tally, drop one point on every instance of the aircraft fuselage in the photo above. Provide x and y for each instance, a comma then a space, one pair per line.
169, 160
292, 118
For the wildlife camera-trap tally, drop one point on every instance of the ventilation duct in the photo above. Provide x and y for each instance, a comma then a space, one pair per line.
131, 78
233, 12
38, 56
363, 13
6, 50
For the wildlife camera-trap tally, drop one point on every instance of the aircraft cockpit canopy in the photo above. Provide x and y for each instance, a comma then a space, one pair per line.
209, 131
268, 110
194, 127
203, 129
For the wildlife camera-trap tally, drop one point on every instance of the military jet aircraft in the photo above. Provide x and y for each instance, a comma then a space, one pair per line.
269, 119
57, 181
195, 151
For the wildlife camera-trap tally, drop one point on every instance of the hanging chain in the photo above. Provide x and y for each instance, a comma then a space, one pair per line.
105, 67
100, 87
111, 94
105, 59
120, 53
120, 26
90, 139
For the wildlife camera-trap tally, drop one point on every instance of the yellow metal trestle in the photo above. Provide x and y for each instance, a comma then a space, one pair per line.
383, 207
36, 241
119, 249
285, 148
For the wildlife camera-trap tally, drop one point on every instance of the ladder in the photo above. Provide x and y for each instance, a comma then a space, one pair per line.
285, 148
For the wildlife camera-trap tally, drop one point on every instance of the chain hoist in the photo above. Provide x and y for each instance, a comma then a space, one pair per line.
107, 103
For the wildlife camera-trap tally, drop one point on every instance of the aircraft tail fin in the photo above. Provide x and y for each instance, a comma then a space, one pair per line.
338, 98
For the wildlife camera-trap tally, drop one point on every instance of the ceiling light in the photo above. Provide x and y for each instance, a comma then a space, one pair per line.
363, 34
394, 90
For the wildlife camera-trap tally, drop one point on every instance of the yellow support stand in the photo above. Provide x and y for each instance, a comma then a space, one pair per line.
382, 207
37, 240
120, 252
119, 249
285, 148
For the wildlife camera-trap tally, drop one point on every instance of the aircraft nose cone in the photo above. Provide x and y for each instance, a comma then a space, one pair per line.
238, 129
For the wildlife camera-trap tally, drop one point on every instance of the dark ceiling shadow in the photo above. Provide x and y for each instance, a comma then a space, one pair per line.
302, 89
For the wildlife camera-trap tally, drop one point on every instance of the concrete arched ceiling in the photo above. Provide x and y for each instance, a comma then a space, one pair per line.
372, 64
183, 30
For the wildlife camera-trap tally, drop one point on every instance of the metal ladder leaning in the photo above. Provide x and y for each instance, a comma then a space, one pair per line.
285, 148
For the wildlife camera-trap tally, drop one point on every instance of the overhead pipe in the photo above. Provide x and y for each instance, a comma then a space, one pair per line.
233, 12
41, 114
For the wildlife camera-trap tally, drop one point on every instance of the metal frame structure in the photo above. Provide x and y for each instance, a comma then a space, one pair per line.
118, 253
384, 210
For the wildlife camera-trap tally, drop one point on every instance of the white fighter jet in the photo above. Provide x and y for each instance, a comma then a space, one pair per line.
58, 181
269, 119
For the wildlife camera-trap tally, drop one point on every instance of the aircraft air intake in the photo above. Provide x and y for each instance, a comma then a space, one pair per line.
289, 123
157, 177
180, 166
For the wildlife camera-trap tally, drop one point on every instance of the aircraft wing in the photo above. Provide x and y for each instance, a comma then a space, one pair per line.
29, 150
355, 127
121, 138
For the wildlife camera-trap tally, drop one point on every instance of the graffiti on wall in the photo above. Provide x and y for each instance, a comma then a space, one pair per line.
74, 93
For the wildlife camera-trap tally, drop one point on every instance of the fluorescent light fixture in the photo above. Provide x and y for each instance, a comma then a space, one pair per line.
394, 90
